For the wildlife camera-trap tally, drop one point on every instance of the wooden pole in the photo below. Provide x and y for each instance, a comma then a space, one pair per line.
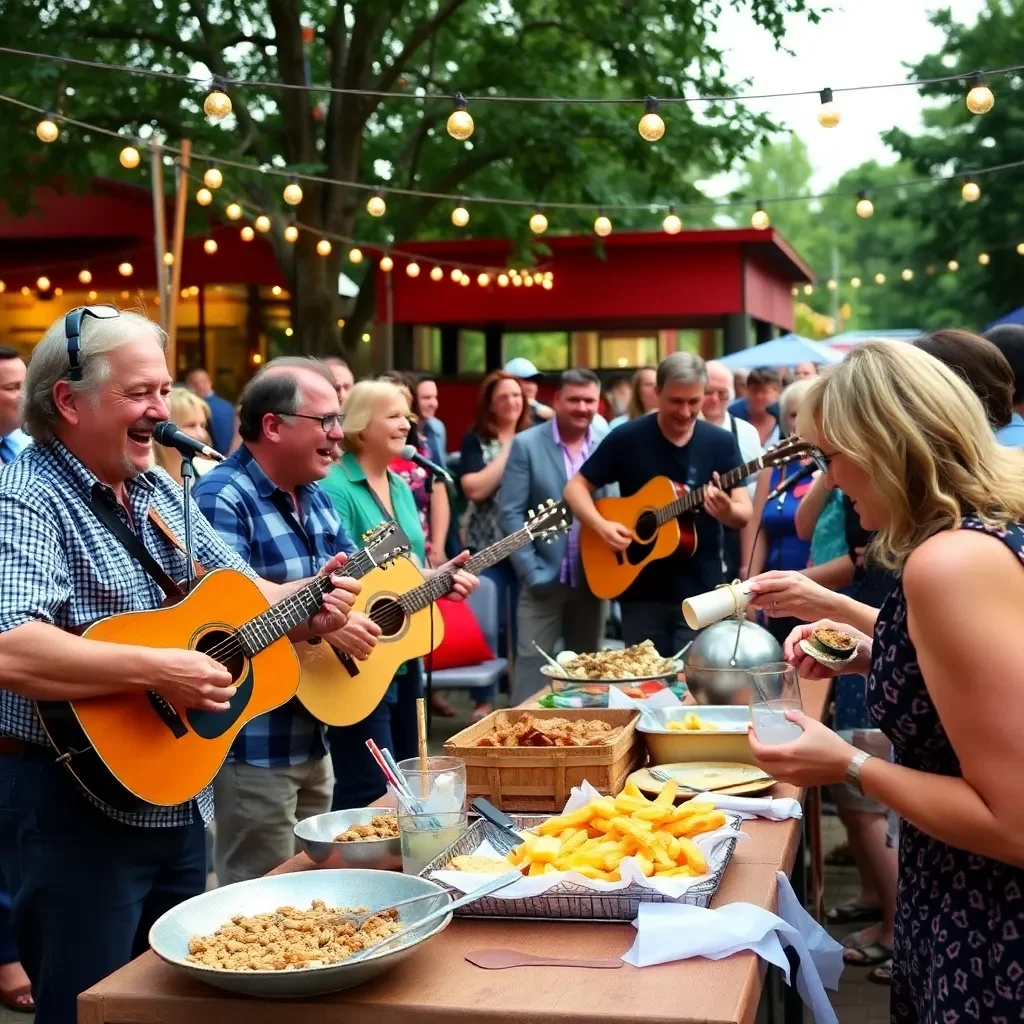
159, 229
173, 297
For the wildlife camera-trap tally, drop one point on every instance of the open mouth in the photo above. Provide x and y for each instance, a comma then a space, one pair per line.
326, 453
141, 437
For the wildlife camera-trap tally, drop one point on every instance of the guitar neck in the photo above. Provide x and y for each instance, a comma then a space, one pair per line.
695, 498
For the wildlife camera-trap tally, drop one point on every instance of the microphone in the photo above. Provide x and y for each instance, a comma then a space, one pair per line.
170, 435
791, 481
410, 454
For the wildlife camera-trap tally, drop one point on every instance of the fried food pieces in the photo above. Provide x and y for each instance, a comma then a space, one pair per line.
288, 939
693, 723
383, 826
641, 661
528, 731
479, 865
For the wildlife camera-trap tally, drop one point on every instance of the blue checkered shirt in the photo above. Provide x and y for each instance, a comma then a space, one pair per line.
258, 520
60, 565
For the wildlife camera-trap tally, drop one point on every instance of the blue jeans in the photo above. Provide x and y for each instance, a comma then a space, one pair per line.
8, 951
90, 888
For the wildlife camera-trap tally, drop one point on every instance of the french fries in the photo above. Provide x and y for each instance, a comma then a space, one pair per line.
693, 723
594, 840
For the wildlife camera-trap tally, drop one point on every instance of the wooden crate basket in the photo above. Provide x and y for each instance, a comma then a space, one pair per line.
540, 778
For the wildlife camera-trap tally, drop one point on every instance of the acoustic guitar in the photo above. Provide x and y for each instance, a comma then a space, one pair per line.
339, 690
134, 749
656, 515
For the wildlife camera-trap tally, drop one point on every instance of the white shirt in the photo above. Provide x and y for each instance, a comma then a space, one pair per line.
749, 441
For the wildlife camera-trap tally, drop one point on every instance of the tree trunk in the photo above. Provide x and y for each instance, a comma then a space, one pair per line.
315, 300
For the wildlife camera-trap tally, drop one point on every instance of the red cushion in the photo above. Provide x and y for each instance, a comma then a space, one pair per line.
464, 641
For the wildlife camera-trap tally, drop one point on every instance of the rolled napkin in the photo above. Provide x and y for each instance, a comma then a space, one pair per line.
774, 808
725, 600
678, 931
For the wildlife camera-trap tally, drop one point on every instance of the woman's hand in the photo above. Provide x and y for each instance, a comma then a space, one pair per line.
818, 758
811, 668
781, 594
464, 583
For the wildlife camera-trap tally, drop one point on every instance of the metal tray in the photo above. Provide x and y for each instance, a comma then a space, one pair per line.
568, 901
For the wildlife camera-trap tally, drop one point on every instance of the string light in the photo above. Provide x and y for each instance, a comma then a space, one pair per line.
460, 120
436, 274
794, 291
527, 281
808, 289
971, 190
651, 126
204, 197
984, 259
547, 284
672, 225
168, 259
503, 280
366, 338
375, 205
952, 266
91, 296
355, 255
907, 274
25, 290
125, 269
124, 294
517, 282
457, 275
129, 158
276, 290
1020, 248
210, 246
232, 210
855, 282
256, 359
828, 112
47, 130
292, 193
602, 226
247, 234
85, 277
291, 234
832, 285
460, 216
58, 292
538, 223
213, 178
288, 332
43, 283
3, 287
538, 277
483, 280
464, 280
217, 104
341, 322
412, 269
879, 278
759, 219
262, 223
387, 264
979, 97
323, 247
864, 205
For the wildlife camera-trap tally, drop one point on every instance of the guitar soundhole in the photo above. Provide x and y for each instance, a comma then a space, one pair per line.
388, 614
224, 647
646, 526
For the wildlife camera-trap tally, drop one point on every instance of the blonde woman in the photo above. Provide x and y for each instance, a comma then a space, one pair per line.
910, 443
192, 415
643, 396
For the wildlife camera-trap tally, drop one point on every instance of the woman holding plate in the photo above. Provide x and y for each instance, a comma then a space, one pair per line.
910, 443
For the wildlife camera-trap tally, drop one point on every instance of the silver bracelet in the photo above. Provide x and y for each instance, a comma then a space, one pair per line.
853, 770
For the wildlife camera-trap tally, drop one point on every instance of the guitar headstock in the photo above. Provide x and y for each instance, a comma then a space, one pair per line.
385, 543
548, 520
787, 450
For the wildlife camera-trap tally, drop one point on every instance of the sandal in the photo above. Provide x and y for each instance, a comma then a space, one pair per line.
882, 974
862, 936
19, 999
872, 955
853, 913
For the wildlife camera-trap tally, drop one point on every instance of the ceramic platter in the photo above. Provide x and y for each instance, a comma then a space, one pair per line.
698, 775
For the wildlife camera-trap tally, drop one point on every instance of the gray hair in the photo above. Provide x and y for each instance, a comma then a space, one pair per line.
795, 392
49, 364
681, 368
717, 364
270, 390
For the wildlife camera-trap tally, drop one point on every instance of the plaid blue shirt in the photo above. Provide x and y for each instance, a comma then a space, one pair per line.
258, 521
60, 565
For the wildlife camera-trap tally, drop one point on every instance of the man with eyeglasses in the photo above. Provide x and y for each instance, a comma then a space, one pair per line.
265, 502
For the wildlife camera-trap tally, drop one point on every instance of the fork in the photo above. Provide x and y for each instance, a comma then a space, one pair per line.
661, 775
360, 917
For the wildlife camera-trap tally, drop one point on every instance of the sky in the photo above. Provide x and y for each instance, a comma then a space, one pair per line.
861, 42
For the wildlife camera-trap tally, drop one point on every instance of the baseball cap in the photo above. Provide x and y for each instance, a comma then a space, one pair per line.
522, 368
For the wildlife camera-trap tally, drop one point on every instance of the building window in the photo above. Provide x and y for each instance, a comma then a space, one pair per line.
547, 350
621, 351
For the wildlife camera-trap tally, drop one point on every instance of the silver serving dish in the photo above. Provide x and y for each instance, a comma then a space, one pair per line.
203, 915
718, 659
552, 673
316, 837
671, 746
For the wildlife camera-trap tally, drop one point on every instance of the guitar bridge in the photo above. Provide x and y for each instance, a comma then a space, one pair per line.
167, 714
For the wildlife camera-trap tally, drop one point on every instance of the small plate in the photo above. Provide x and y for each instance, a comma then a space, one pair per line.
826, 659
697, 774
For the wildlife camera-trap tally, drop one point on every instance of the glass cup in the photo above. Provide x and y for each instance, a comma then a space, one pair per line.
426, 836
775, 690
442, 787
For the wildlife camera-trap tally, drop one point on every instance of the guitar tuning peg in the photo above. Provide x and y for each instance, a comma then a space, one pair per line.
529, 513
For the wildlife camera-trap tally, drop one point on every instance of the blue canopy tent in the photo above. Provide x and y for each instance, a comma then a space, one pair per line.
1014, 317
788, 350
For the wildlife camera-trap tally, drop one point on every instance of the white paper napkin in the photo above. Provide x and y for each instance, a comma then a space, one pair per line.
677, 931
777, 808
659, 699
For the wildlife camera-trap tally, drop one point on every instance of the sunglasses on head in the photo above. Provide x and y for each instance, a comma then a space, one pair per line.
73, 333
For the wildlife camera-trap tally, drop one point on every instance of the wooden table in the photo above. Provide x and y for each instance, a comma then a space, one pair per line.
437, 985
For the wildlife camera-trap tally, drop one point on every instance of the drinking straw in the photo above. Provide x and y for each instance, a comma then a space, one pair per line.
401, 791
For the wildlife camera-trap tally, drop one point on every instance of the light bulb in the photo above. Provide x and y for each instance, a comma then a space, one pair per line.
262, 223
355, 255
984, 259
85, 276
213, 178
247, 234
672, 225
233, 211
375, 206
3, 288
907, 274
538, 223
1020, 248
808, 289
323, 247
210, 246
341, 322
129, 157
46, 130
292, 194
124, 294
276, 290
291, 233
456, 275
879, 278
517, 282
464, 280
971, 190
217, 104
412, 269
503, 280
125, 269
436, 274
483, 280
864, 205
366, 338
759, 219
828, 112
651, 126
26, 291
91, 296
831, 285
794, 291
204, 197
952, 266
527, 281
460, 121
460, 216
387, 264
602, 226
979, 98
549, 275
288, 332
537, 277
168, 259
547, 284
855, 282
256, 359
43, 283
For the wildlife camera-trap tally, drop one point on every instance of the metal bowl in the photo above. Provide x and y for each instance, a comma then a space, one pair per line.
718, 658
673, 746
203, 915
316, 837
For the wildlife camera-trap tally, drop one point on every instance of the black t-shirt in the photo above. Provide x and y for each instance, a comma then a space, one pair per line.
636, 452
871, 583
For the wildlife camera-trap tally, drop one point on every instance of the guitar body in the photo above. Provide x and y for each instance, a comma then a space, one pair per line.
609, 572
134, 749
340, 690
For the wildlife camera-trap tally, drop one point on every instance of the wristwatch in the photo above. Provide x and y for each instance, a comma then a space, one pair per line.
853, 770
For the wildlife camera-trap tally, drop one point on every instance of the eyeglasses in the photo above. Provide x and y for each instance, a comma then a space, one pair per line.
330, 422
73, 333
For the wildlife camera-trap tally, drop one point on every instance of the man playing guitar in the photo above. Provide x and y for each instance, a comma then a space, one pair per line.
670, 442
91, 879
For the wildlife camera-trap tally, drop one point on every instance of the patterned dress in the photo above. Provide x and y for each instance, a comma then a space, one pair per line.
959, 952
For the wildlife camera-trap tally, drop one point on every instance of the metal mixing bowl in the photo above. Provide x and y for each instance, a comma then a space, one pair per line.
316, 837
203, 915
717, 660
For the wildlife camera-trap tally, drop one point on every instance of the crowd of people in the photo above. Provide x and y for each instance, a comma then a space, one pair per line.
911, 539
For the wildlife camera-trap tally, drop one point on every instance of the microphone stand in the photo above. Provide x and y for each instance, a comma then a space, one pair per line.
188, 474
429, 685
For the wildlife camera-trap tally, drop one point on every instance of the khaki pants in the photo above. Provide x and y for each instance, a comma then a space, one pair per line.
257, 809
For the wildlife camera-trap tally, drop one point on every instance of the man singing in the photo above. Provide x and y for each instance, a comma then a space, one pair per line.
92, 879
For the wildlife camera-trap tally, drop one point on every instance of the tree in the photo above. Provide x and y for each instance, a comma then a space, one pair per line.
558, 152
